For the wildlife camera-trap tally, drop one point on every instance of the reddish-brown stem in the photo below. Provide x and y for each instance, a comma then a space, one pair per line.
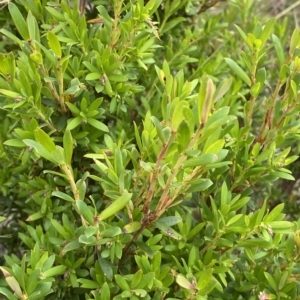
153, 179
267, 119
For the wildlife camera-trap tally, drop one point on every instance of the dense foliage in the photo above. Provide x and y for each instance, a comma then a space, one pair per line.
141, 146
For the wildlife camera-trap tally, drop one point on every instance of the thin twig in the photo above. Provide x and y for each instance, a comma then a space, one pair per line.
285, 11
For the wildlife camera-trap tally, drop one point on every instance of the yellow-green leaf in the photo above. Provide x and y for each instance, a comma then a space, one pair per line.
215, 147
68, 146
178, 116
54, 43
116, 206
44, 139
183, 282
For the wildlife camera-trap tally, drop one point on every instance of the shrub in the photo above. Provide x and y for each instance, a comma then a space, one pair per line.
137, 149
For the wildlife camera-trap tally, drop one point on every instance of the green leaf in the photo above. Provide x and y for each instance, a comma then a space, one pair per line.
205, 99
152, 6
234, 219
98, 125
246, 287
44, 139
74, 123
35, 216
261, 213
146, 166
39, 149
11, 36
136, 279
107, 86
91, 240
75, 111
204, 278
226, 84
4, 64
68, 146
116, 206
284, 72
171, 24
122, 283
14, 143
278, 49
215, 147
242, 33
54, 43
73, 245
19, 21
283, 175
90, 231
8, 294
283, 280
106, 267
290, 246
224, 194
93, 76
11, 94
60, 229
271, 281
238, 71
139, 292
111, 232
274, 213
63, 196
195, 230
203, 159
198, 185
267, 30
72, 90
159, 128
54, 12
81, 185
54, 271
281, 225
89, 284
132, 227
33, 27
167, 230
256, 242
138, 137
178, 116
170, 220
184, 135
105, 292
261, 76
85, 211
216, 120
118, 78
37, 58
183, 282
58, 156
